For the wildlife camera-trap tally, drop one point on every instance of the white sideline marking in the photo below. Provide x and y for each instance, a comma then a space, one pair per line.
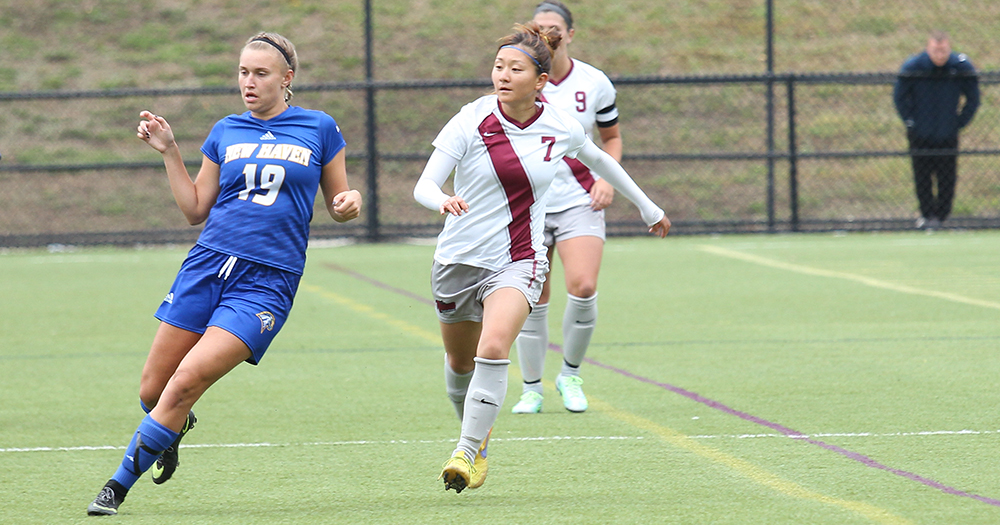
537, 438
323, 443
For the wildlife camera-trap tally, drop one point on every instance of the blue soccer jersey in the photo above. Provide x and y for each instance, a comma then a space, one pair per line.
269, 172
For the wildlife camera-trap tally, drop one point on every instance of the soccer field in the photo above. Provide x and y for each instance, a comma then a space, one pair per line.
738, 379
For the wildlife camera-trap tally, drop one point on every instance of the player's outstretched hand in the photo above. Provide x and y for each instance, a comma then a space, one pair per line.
454, 205
155, 131
346, 206
662, 228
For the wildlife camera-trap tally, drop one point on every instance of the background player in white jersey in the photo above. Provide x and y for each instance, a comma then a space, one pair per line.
490, 261
256, 188
574, 223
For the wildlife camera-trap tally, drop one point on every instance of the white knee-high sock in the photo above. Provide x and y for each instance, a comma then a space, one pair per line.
482, 405
457, 386
579, 321
532, 343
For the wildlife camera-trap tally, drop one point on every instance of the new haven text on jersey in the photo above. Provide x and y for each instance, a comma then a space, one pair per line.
269, 173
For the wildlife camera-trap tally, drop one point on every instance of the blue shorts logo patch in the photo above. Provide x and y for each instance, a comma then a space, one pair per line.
266, 321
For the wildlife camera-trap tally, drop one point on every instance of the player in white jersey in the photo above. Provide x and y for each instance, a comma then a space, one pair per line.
256, 188
483, 138
490, 261
574, 225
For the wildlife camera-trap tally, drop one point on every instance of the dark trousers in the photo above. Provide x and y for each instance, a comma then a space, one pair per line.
930, 166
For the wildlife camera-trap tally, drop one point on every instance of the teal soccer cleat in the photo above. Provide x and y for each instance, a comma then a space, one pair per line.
571, 390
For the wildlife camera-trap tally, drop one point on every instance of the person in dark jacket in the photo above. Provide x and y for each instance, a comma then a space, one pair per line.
928, 96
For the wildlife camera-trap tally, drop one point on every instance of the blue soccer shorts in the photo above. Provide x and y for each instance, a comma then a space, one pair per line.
249, 300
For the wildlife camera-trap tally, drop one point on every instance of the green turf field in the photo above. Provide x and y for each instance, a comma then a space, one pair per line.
736, 379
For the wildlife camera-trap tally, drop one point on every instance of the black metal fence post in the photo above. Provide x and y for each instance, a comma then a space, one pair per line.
372, 198
770, 115
793, 161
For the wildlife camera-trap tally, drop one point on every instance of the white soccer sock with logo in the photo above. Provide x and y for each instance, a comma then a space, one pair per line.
532, 342
482, 405
457, 386
579, 321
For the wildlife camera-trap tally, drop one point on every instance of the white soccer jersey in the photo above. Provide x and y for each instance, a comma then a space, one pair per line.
588, 95
504, 170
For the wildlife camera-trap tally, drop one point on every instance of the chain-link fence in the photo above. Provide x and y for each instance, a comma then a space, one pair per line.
768, 152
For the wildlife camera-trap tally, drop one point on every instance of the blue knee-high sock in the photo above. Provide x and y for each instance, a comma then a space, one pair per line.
145, 408
155, 438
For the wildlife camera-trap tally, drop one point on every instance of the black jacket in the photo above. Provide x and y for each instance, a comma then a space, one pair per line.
927, 96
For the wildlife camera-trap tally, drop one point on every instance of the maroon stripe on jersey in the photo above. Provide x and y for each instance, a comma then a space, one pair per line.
581, 172
516, 185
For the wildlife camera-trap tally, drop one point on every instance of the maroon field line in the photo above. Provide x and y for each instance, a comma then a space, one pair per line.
860, 458
379, 284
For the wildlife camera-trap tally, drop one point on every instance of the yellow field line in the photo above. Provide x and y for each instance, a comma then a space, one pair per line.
361, 308
671, 436
745, 468
868, 281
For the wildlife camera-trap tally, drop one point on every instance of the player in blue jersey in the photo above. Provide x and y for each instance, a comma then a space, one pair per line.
256, 187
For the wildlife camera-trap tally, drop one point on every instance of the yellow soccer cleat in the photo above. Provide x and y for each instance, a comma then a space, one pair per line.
458, 473
480, 465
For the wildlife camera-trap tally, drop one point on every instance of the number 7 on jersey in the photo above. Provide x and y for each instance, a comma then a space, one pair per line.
548, 152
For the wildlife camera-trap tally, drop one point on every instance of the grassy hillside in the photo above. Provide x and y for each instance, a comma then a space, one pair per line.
162, 44
98, 44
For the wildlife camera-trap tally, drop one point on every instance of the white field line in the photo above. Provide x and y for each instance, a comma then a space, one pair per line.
328, 443
517, 439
